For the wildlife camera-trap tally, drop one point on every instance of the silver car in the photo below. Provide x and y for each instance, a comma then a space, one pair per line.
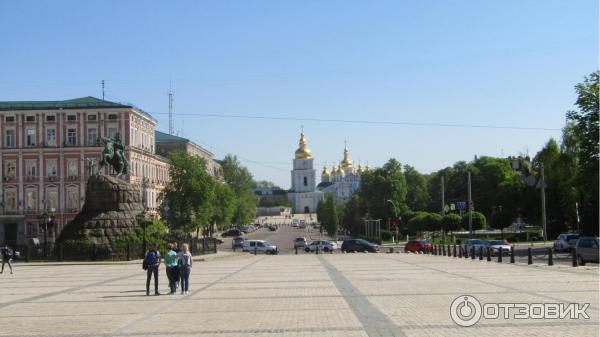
495, 246
565, 242
587, 250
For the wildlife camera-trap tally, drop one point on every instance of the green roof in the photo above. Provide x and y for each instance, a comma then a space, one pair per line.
76, 103
160, 137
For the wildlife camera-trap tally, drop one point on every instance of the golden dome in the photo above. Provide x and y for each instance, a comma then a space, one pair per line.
340, 171
346, 162
303, 152
325, 173
334, 171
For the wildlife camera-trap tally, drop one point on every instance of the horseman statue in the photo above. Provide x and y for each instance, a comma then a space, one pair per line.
113, 154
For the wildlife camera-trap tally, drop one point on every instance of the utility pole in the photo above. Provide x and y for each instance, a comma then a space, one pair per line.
577, 214
470, 207
443, 201
170, 109
103, 90
543, 188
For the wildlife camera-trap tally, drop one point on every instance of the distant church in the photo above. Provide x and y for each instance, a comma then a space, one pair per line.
304, 195
343, 180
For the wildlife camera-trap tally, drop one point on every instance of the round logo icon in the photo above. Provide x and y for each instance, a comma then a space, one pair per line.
465, 310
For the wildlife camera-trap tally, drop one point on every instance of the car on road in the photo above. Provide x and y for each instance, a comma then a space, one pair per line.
232, 232
261, 246
323, 245
495, 245
359, 245
417, 246
586, 250
237, 242
565, 242
273, 228
473, 243
299, 242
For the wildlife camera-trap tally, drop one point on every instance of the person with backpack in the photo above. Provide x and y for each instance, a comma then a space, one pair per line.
171, 262
186, 267
152, 261
6, 257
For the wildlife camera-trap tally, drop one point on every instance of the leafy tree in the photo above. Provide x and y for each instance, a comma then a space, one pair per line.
478, 221
240, 181
451, 222
417, 197
189, 194
327, 214
380, 185
352, 216
225, 204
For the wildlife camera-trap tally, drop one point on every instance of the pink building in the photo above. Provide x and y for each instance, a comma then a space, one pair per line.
45, 151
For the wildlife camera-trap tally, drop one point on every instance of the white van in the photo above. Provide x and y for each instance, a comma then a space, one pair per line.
260, 246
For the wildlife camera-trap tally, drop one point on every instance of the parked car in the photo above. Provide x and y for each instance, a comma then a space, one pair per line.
261, 246
324, 245
565, 242
587, 250
474, 243
237, 242
359, 245
495, 246
417, 246
299, 242
232, 232
273, 228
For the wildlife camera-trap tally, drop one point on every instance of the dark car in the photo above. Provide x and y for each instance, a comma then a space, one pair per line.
233, 232
414, 246
359, 245
587, 250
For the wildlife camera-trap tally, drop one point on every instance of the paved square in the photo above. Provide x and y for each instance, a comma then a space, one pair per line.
292, 295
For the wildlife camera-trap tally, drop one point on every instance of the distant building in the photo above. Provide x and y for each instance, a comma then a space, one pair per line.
303, 194
343, 180
45, 151
520, 164
165, 143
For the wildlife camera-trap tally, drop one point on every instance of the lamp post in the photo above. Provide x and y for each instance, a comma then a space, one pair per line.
45, 221
398, 218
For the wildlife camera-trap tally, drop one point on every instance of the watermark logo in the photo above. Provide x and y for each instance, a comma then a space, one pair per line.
466, 310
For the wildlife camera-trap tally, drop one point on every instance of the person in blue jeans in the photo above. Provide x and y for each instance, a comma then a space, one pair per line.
153, 262
171, 262
186, 267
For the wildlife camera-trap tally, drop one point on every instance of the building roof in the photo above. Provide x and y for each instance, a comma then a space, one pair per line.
76, 103
161, 137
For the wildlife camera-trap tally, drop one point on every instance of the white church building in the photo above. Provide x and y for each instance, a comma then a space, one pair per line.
303, 194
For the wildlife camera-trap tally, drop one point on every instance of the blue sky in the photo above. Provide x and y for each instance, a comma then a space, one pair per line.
506, 63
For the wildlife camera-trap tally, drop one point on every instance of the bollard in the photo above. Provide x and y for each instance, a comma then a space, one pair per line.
574, 257
128, 252
448, 249
529, 257
434, 250
317, 250
454, 251
466, 253
391, 250
460, 251
443, 250
61, 253
512, 254
27, 253
296, 248
489, 254
500, 254
473, 253
550, 260
254, 250
480, 253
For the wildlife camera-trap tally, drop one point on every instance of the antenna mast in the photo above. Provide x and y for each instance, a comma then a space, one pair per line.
170, 109
103, 90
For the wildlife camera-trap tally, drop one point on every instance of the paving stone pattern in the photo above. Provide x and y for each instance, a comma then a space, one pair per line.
343, 295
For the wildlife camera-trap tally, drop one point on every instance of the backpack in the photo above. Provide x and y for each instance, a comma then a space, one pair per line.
150, 259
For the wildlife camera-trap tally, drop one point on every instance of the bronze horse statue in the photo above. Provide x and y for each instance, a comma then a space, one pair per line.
113, 155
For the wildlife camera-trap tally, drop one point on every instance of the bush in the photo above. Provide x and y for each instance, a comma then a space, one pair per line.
386, 235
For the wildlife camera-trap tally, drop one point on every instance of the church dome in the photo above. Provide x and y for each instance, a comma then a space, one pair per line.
303, 152
346, 163
325, 172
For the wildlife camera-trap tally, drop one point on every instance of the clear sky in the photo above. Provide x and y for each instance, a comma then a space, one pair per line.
502, 63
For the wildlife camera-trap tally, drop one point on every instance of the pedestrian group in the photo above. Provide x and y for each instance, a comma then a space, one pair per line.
178, 265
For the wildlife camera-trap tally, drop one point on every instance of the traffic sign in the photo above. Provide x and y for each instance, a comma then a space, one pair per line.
461, 205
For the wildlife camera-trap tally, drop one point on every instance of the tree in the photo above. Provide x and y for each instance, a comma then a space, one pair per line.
352, 216
331, 221
478, 221
380, 185
240, 181
417, 197
451, 222
225, 204
189, 194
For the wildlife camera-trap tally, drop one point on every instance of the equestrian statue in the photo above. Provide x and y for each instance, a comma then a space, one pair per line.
113, 154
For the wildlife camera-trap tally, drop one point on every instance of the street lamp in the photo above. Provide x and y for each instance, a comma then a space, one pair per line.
46, 221
397, 218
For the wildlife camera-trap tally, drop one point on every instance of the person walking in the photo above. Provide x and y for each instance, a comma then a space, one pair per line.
171, 261
152, 260
176, 269
186, 267
6, 257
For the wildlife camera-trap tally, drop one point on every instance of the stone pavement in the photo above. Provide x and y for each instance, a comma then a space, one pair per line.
292, 295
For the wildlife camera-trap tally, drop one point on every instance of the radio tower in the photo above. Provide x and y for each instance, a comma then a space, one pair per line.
170, 109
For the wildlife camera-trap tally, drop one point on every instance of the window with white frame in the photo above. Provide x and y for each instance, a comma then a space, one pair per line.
31, 199
50, 136
72, 167
30, 137
31, 165
51, 198
51, 167
92, 136
10, 199
112, 132
72, 197
9, 138
71, 136
10, 168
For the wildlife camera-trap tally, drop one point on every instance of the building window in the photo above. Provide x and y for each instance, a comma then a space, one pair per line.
51, 167
72, 197
11, 199
9, 119
30, 118
30, 137
31, 168
51, 198
71, 118
112, 132
10, 138
50, 118
92, 136
305, 181
91, 117
31, 199
72, 167
10, 168
50, 137
71, 137
112, 116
